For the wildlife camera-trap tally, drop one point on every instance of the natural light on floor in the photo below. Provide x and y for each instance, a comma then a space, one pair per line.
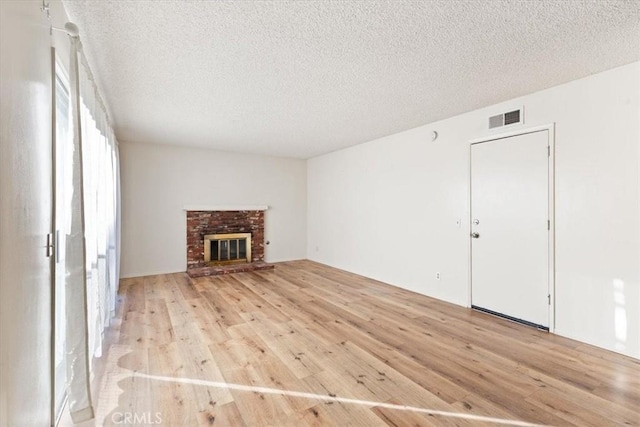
331, 398
108, 398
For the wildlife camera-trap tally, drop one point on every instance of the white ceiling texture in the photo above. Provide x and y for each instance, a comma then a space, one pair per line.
303, 78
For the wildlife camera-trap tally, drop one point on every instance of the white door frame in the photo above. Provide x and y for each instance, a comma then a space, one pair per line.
552, 235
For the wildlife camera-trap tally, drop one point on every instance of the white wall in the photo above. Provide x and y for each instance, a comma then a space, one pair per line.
387, 209
158, 180
25, 215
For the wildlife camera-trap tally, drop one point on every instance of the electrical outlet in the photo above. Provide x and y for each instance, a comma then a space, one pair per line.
438, 276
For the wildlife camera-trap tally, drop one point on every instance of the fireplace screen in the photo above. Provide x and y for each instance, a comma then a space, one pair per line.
232, 248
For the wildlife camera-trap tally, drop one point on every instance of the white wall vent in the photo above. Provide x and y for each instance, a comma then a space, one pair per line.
505, 119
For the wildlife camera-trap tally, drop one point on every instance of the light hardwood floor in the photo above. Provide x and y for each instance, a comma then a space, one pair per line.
306, 344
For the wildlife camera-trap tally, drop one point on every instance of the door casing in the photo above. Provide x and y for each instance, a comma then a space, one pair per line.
551, 192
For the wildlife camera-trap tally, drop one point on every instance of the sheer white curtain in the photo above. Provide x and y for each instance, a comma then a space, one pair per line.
93, 244
100, 160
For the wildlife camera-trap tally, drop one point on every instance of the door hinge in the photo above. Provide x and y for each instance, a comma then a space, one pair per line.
548, 151
548, 224
549, 298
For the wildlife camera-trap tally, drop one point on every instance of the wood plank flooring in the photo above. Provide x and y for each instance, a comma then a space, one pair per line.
306, 344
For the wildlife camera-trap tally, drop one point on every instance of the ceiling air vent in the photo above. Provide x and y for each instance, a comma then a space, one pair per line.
506, 119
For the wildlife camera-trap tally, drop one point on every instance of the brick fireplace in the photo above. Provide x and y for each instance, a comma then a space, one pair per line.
219, 221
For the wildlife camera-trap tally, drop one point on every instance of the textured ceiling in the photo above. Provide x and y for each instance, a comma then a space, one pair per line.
302, 78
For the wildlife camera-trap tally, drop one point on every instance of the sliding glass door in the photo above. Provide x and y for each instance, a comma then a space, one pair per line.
63, 189
86, 200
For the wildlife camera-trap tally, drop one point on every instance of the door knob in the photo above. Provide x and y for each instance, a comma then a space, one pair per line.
475, 235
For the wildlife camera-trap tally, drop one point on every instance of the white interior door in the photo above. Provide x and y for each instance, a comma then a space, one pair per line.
510, 228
